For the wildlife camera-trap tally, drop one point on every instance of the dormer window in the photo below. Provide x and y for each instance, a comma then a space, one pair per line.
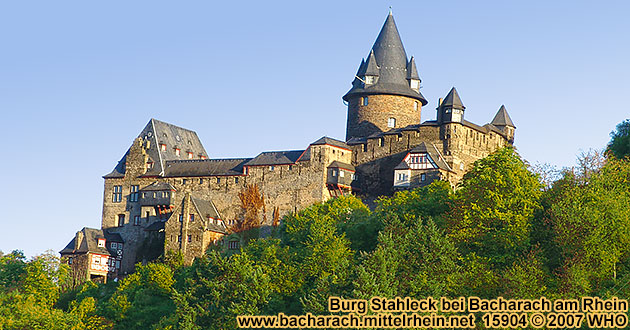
414, 84
101, 242
369, 80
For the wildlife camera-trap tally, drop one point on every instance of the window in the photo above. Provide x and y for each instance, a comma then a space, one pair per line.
290, 167
189, 238
117, 264
149, 165
334, 172
200, 181
423, 177
190, 155
117, 196
391, 122
179, 238
218, 180
101, 242
381, 142
181, 218
70, 261
233, 245
165, 194
191, 217
341, 174
176, 152
148, 214
136, 220
364, 100
415, 105
235, 180
133, 197
271, 168
163, 147
114, 245
184, 181
121, 220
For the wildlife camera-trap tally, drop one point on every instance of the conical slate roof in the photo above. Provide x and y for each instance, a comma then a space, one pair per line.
388, 56
502, 118
371, 68
412, 72
452, 100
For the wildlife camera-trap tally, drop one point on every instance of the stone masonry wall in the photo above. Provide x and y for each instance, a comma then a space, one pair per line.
364, 120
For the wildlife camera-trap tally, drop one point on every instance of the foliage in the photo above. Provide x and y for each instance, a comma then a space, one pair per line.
494, 208
619, 145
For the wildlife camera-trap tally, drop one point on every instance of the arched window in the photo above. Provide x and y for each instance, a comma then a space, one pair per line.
391, 122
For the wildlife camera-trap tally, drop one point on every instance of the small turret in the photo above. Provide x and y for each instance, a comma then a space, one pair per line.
412, 75
504, 123
451, 109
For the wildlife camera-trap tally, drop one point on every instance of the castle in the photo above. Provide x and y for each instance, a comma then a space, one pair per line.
167, 194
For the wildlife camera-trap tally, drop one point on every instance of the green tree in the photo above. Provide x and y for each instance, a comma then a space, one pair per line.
619, 145
142, 298
494, 208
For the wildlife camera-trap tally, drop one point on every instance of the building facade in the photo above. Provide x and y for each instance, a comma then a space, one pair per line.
166, 193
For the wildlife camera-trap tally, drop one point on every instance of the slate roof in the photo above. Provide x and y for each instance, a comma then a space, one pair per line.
207, 210
275, 158
391, 61
502, 118
205, 167
412, 71
89, 243
174, 137
345, 166
331, 141
432, 151
159, 186
452, 100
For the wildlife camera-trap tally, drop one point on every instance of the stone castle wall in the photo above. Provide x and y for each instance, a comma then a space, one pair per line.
364, 120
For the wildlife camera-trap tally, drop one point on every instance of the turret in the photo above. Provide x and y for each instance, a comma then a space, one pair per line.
385, 93
451, 109
504, 123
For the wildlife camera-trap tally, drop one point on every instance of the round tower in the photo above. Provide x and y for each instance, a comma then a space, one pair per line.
385, 93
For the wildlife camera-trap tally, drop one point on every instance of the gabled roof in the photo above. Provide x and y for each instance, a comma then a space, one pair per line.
275, 158
502, 118
86, 240
205, 167
207, 210
433, 153
345, 166
158, 186
452, 100
388, 56
173, 137
331, 141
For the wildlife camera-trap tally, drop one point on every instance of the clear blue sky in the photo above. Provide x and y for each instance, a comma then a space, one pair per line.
80, 79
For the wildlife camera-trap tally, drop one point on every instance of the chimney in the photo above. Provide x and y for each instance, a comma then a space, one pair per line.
440, 102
